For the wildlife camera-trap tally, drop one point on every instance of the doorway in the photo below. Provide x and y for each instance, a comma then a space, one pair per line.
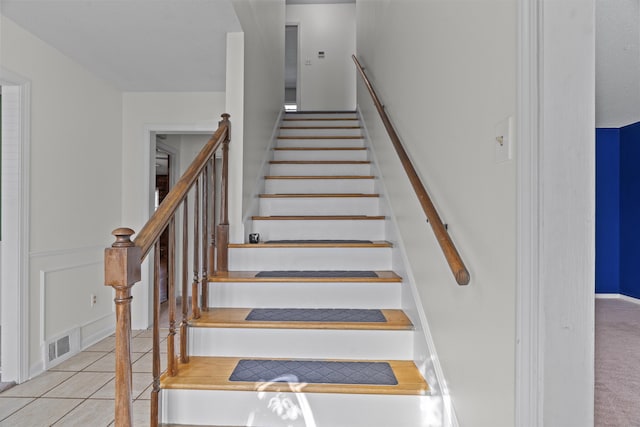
291, 83
171, 150
164, 161
14, 203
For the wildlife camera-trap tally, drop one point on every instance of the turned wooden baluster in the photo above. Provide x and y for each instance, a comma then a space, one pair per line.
212, 243
156, 336
223, 229
204, 278
185, 280
171, 356
122, 271
196, 249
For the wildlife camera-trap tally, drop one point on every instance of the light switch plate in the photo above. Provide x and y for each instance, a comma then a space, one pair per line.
503, 140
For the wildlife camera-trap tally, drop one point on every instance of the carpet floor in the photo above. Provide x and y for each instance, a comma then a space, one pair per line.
617, 363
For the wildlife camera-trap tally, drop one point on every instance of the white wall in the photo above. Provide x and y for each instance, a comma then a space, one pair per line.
263, 23
617, 62
450, 83
566, 213
144, 112
327, 83
75, 166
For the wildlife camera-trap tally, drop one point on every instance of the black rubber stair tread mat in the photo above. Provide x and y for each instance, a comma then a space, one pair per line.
322, 273
314, 372
316, 315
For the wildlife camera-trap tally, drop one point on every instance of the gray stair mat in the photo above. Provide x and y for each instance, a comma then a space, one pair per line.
322, 273
314, 372
316, 315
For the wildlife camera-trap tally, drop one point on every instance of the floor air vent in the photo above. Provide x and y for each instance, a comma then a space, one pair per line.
61, 348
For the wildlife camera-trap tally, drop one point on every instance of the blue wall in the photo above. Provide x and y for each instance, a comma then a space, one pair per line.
608, 211
618, 210
630, 210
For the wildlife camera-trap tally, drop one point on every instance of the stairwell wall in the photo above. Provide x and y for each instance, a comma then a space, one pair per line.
263, 24
75, 154
446, 72
329, 82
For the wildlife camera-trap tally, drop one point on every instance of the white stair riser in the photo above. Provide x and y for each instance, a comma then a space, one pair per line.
320, 123
319, 206
319, 229
301, 343
319, 169
350, 155
324, 132
207, 407
259, 259
286, 143
306, 294
321, 116
315, 186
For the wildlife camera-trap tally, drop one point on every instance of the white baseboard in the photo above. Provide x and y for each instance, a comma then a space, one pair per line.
87, 340
618, 296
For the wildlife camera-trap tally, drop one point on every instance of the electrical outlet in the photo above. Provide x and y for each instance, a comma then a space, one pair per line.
94, 299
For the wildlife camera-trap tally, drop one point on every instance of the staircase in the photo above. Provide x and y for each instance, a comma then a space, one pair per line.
322, 301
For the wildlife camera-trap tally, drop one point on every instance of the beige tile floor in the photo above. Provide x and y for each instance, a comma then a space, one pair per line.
80, 390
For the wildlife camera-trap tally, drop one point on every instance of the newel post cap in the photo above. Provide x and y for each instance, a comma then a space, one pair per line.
123, 237
122, 261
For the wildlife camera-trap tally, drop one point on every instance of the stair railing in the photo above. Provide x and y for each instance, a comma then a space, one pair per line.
451, 254
123, 261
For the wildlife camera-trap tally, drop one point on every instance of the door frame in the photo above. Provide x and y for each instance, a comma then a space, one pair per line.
298, 64
143, 307
15, 244
554, 301
172, 158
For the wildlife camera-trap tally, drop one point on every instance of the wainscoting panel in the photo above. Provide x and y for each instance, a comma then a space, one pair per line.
68, 294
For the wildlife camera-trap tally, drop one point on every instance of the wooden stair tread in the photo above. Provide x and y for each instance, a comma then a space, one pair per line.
219, 317
317, 195
319, 177
320, 137
319, 127
250, 276
322, 112
377, 244
320, 162
291, 119
319, 148
318, 217
212, 373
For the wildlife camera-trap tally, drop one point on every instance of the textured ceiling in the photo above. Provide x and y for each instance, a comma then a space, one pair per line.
137, 45
318, 1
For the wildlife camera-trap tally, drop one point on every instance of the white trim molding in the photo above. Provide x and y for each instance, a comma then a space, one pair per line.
529, 349
556, 185
14, 284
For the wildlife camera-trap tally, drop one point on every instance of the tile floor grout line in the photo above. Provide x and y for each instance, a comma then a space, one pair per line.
67, 413
33, 399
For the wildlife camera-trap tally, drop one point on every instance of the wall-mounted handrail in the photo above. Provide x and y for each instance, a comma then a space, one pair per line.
123, 261
451, 254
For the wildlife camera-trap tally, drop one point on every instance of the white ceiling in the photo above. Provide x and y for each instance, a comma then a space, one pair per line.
138, 45
318, 1
617, 62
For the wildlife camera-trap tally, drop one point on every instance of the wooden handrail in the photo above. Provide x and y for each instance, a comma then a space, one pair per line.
123, 261
161, 217
454, 260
